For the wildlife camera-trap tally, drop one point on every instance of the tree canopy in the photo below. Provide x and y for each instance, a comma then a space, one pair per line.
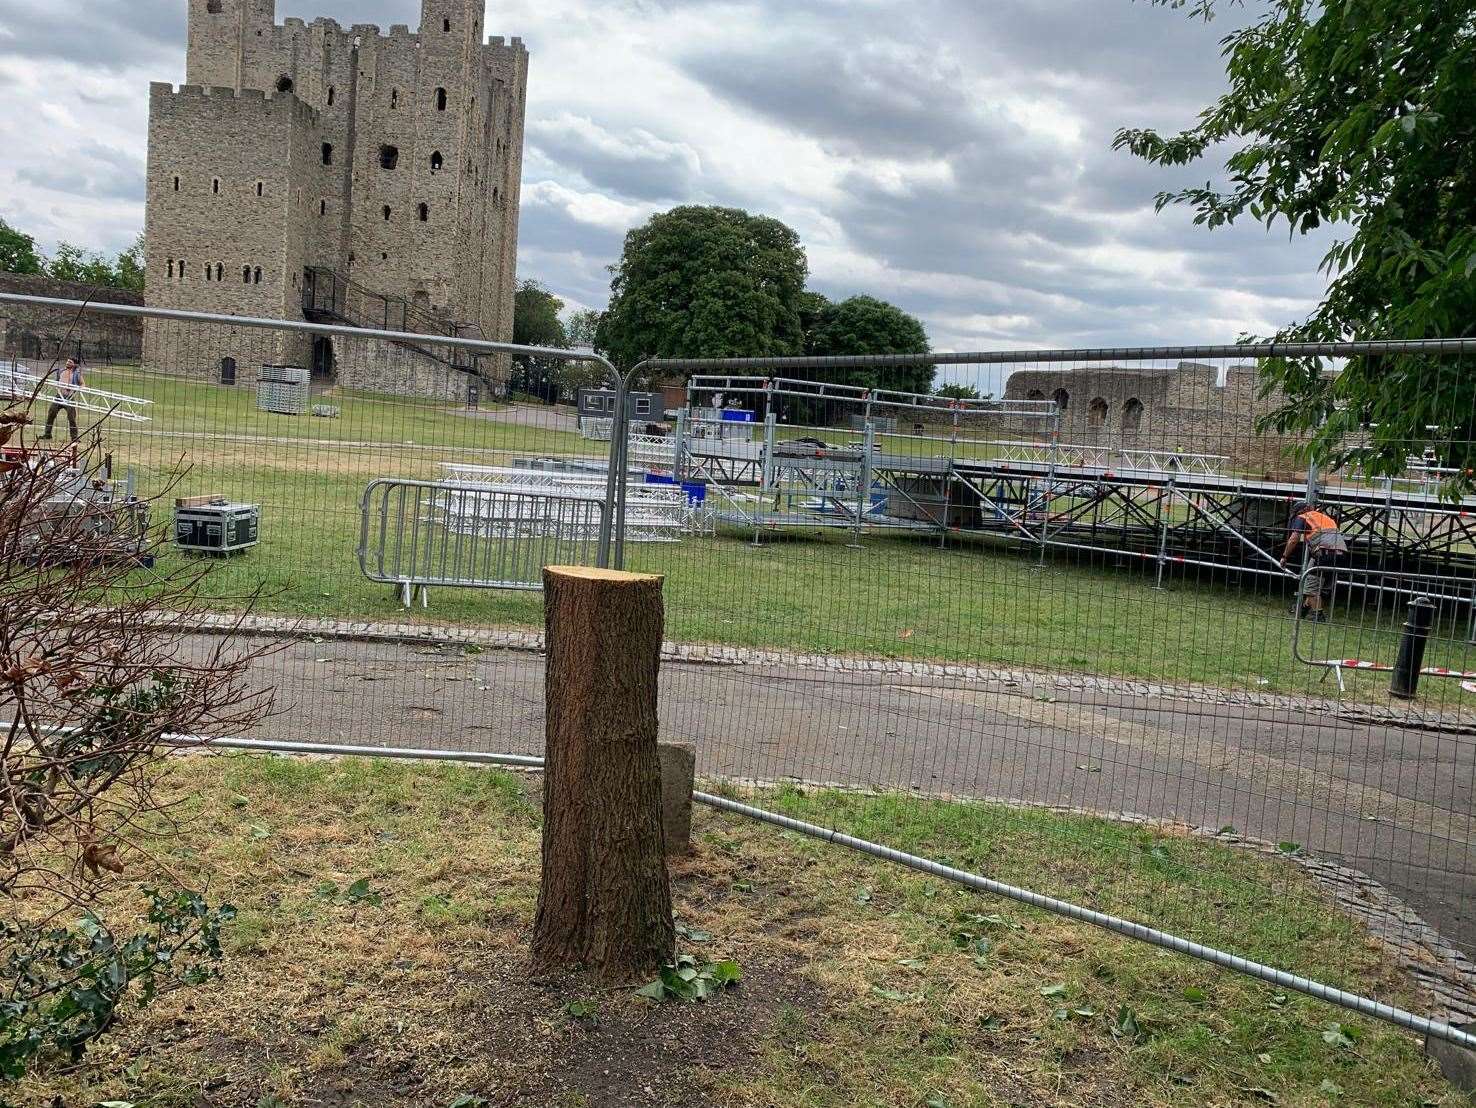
698, 282
17, 251
866, 325
18, 254
536, 319
1359, 114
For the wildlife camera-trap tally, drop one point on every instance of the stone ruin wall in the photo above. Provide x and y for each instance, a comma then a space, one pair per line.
1184, 409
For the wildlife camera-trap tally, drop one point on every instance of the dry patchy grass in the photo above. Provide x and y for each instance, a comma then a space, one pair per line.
415, 990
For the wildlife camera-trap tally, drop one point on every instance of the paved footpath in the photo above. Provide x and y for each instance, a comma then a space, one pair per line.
1387, 796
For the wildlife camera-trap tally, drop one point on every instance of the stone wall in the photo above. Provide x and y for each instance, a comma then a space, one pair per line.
47, 333
1186, 409
404, 176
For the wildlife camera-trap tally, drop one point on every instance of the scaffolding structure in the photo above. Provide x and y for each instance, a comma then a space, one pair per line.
1167, 507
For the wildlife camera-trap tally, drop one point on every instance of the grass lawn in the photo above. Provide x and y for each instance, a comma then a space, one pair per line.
863, 984
898, 596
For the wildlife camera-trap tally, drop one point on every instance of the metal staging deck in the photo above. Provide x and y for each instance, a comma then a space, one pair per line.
1162, 506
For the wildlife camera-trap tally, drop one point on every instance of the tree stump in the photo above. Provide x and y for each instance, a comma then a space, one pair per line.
604, 901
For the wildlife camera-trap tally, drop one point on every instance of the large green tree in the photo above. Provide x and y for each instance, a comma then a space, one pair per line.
1359, 114
17, 251
700, 282
536, 317
866, 325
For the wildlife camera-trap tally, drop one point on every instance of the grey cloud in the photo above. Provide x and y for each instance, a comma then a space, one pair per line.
107, 34
92, 170
633, 164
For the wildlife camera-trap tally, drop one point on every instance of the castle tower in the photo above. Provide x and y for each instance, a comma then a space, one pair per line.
305, 152
219, 36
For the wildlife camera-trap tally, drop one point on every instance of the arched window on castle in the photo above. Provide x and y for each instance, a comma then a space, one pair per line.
394, 98
1062, 399
256, 276
207, 273
171, 269
440, 99
330, 96
181, 269
1097, 413
284, 83
437, 162
220, 271
215, 185
389, 156
425, 213
1132, 414
245, 275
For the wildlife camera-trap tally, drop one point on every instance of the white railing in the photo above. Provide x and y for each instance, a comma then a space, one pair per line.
17, 384
1077, 456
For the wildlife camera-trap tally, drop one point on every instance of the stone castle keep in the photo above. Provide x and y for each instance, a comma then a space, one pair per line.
315, 171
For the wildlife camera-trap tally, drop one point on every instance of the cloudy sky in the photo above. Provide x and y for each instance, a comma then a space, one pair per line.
953, 156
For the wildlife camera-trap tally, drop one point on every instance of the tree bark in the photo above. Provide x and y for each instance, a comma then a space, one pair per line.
604, 901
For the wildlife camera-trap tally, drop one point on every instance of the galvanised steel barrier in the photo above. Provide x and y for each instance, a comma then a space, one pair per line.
1053, 657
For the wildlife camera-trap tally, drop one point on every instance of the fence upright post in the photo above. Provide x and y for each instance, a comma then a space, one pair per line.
863, 481
1165, 502
765, 473
1050, 485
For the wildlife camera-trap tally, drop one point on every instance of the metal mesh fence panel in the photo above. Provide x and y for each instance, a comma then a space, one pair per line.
1052, 623
1063, 638
283, 453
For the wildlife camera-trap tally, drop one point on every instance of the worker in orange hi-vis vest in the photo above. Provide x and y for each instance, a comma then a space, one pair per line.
1324, 545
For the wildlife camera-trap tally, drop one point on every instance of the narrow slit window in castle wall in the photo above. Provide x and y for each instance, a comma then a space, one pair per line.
389, 156
440, 99
171, 269
446, 25
330, 96
176, 184
207, 273
425, 213
394, 98
256, 276
215, 186
437, 162
386, 213
181, 269
245, 275
258, 188
220, 271
322, 207
327, 153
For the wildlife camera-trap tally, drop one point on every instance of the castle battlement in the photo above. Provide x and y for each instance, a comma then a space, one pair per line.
393, 160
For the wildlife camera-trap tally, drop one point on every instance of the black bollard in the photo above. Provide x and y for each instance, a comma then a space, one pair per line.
1421, 618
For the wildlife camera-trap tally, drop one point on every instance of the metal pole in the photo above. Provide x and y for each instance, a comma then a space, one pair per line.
1050, 489
1352, 1001
765, 472
1165, 501
1405, 681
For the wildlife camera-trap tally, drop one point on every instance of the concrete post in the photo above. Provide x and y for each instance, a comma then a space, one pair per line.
678, 779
